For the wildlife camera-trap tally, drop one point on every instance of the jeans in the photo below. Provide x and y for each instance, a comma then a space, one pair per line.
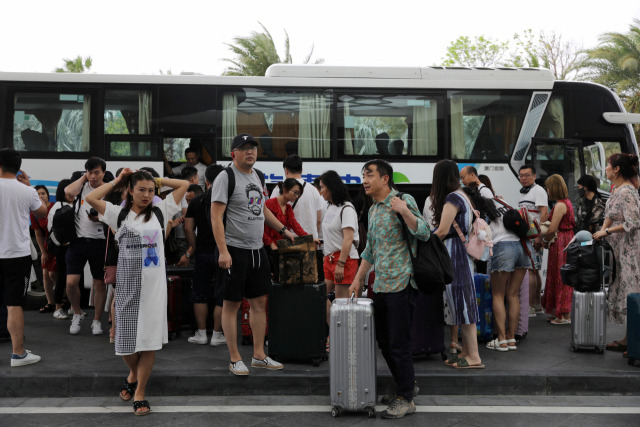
392, 316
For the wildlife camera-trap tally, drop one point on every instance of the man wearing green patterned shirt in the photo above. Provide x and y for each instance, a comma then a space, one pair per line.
394, 284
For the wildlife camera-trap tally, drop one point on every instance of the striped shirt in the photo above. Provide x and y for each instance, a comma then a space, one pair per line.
387, 248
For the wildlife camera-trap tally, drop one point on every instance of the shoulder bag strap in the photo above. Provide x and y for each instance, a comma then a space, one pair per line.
405, 231
355, 232
296, 202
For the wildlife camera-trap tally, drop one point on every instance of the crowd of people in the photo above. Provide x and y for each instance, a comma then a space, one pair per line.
214, 220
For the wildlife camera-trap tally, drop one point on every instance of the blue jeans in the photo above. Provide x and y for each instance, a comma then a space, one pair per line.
392, 315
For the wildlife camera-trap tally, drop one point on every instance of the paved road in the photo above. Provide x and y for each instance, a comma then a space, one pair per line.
314, 411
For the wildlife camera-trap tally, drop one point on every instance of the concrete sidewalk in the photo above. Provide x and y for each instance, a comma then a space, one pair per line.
85, 365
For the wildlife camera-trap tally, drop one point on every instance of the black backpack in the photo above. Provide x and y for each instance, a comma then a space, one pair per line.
432, 267
513, 221
588, 265
63, 227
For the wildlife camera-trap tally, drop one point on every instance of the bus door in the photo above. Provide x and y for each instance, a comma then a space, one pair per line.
564, 157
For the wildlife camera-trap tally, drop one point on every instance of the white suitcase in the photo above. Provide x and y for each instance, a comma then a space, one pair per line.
352, 356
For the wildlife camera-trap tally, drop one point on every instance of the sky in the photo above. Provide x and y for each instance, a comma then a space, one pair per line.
144, 37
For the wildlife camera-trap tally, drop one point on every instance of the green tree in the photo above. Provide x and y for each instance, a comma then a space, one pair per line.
77, 65
481, 52
256, 52
564, 58
615, 63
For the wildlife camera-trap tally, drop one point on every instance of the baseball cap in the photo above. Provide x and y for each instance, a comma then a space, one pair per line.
240, 140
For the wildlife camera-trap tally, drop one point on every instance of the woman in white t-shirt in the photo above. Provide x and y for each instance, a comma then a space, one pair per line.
141, 290
339, 230
509, 265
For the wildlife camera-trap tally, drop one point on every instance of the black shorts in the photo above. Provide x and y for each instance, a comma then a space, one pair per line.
15, 274
249, 275
82, 250
204, 278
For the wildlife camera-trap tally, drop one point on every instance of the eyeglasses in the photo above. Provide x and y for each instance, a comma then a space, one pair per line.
296, 193
253, 200
248, 147
525, 175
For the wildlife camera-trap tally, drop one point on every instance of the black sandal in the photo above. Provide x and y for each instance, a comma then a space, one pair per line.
48, 308
141, 404
130, 388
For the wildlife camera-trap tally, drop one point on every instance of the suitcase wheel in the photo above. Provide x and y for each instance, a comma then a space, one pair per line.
372, 412
336, 411
599, 350
573, 348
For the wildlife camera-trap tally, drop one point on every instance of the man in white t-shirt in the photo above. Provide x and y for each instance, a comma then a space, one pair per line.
309, 206
192, 160
469, 177
89, 247
535, 199
18, 198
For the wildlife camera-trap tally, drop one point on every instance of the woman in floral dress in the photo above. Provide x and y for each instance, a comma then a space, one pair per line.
557, 296
621, 228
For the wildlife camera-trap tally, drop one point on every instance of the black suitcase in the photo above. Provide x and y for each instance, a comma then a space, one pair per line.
427, 325
297, 322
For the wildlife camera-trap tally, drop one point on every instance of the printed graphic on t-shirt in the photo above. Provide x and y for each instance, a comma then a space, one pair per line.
255, 197
150, 248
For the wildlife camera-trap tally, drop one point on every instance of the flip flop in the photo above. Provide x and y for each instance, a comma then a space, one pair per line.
463, 364
450, 362
616, 346
560, 322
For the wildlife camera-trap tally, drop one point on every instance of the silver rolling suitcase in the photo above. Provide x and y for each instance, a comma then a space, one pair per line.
352, 356
589, 315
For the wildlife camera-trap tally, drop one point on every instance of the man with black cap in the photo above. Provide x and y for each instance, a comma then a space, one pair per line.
238, 225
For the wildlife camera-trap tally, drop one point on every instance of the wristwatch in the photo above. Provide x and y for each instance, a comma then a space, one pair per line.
606, 230
188, 254
282, 230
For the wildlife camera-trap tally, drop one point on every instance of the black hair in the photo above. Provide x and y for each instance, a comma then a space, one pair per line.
533, 169
195, 189
43, 187
188, 172
77, 175
487, 182
252, 187
446, 179
293, 163
108, 177
212, 172
95, 162
316, 182
339, 191
383, 167
190, 150
151, 170
60, 194
10, 160
119, 171
486, 206
628, 164
589, 183
134, 178
289, 184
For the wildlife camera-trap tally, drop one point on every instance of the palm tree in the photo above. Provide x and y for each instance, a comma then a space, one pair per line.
615, 63
78, 65
255, 53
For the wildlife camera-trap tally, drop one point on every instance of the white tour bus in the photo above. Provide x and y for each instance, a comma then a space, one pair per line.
495, 119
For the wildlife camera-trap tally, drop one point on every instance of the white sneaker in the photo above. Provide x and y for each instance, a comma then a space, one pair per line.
198, 337
60, 314
218, 339
28, 359
238, 368
267, 363
70, 311
96, 327
76, 323
532, 312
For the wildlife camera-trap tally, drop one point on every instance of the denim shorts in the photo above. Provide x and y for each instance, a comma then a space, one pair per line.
507, 256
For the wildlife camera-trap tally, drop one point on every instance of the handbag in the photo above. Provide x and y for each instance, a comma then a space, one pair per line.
298, 263
109, 270
534, 228
544, 227
432, 268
